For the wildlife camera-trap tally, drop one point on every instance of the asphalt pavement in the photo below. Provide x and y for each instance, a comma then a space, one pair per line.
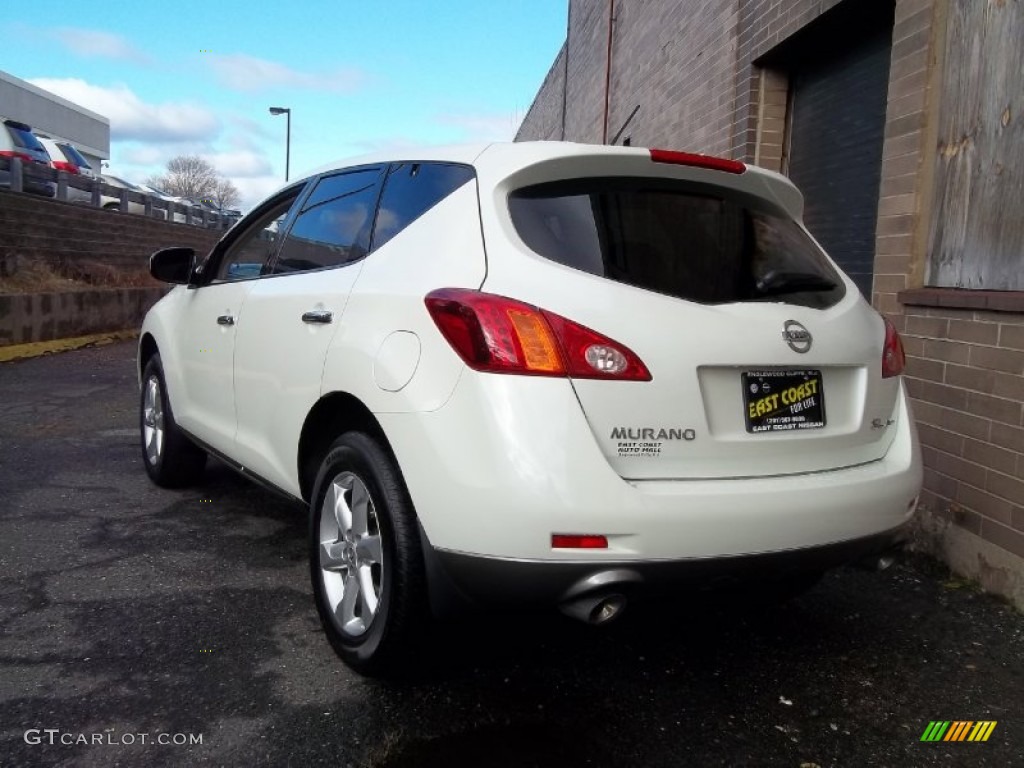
132, 616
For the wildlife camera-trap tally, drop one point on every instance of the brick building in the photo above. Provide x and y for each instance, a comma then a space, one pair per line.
901, 120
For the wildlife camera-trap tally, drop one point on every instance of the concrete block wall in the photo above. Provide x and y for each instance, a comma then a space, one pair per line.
62, 233
26, 318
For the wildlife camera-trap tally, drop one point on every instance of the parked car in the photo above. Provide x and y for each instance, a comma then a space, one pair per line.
64, 157
18, 141
538, 373
179, 216
114, 203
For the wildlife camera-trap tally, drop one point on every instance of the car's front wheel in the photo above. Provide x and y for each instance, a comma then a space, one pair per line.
172, 460
365, 560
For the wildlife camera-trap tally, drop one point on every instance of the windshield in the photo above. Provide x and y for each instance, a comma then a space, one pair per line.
695, 242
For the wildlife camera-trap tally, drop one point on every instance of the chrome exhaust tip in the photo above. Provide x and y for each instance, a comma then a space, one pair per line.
596, 610
878, 563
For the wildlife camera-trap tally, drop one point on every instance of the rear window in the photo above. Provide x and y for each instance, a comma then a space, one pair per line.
692, 241
74, 156
24, 138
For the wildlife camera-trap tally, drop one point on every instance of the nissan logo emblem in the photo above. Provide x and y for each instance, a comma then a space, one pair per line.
798, 337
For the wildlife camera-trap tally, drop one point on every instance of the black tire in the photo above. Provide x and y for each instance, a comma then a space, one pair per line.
385, 645
177, 461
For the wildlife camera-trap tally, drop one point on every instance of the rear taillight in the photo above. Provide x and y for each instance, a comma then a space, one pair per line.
20, 155
697, 161
501, 335
893, 358
63, 165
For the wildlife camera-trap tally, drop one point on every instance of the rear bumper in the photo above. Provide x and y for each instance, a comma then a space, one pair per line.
504, 465
474, 580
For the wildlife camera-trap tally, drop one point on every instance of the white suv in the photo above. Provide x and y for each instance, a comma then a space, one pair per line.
64, 157
536, 373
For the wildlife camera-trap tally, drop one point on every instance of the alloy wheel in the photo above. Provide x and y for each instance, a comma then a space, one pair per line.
153, 420
351, 554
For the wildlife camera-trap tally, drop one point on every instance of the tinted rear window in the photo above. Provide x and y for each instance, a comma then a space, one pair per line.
24, 139
74, 155
691, 241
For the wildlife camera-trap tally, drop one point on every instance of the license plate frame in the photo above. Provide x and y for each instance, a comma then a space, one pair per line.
783, 400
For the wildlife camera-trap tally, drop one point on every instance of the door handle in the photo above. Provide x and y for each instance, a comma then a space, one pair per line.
322, 316
225, 320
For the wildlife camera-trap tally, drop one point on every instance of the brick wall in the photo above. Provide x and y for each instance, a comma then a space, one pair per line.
62, 233
965, 370
672, 58
545, 115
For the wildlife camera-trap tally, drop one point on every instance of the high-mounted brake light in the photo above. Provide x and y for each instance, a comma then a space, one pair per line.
893, 357
697, 161
496, 334
578, 541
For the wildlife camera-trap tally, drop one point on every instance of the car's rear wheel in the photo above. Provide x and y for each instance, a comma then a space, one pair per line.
171, 459
365, 560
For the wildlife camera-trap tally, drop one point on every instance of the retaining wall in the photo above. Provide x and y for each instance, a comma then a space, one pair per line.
33, 317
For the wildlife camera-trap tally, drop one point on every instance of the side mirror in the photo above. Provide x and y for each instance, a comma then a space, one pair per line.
173, 265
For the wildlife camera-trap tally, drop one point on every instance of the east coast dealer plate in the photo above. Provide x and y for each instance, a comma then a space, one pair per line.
778, 401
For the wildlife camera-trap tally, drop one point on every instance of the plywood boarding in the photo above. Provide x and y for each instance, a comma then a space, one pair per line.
977, 231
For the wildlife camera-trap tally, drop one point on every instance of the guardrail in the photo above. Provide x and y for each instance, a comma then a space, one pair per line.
103, 195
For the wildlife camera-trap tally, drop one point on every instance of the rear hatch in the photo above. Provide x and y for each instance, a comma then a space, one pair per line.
764, 360
26, 144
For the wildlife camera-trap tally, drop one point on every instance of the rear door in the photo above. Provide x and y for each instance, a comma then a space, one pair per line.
764, 360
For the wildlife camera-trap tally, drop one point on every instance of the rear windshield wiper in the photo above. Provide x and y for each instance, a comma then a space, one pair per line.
777, 283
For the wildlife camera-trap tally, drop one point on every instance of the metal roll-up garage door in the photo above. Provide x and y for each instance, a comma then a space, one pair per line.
837, 123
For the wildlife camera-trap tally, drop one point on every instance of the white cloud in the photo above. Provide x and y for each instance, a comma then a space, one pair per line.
248, 73
255, 189
131, 117
250, 128
142, 155
483, 127
239, 163
94, 42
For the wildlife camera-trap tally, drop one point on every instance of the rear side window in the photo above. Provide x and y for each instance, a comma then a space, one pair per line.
692, 241
334, 225
412, 189
74, 156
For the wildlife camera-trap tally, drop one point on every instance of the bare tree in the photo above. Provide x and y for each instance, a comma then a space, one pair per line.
191, 176
226, 194
195, 178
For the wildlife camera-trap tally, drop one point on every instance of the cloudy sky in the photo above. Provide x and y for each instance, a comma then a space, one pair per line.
198, 77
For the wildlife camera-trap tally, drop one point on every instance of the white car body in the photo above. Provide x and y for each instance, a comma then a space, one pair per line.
496, 465
111, 203
60, 160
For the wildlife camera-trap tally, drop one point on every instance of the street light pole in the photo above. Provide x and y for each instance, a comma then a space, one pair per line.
288, 138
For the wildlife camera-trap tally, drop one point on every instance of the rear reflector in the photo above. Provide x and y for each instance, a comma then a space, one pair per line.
697, 161
578, 541
893, 358
496, 334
